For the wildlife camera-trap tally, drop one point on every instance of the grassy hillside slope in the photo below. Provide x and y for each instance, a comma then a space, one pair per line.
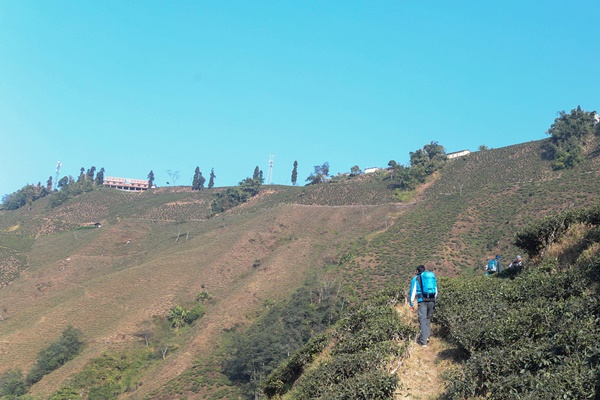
472, 212
160, 248
526, 333
150, 255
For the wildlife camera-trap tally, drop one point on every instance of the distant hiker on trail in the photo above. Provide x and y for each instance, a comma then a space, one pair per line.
493, 266
517, 263
424, 288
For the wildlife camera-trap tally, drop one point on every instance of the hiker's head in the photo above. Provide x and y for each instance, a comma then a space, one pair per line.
420, 269
519, 258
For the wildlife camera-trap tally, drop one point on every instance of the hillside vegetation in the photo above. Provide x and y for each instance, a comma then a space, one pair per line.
341, 242
528, 333
536, 332
156, 250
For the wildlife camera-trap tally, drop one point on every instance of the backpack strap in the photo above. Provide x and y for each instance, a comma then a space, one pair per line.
420, 280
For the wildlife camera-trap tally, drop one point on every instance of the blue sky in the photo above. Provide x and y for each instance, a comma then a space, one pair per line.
134, 86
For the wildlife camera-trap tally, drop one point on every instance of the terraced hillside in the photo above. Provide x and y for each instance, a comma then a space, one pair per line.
153, 251
161, 248
472, 211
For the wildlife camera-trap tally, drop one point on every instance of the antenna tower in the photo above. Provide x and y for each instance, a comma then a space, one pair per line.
270, 175
58, 165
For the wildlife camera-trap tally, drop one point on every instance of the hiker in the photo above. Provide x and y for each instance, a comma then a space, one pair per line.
423, 287
493, 266
517, 263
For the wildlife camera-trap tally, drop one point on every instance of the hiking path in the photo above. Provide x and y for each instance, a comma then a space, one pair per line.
424, 372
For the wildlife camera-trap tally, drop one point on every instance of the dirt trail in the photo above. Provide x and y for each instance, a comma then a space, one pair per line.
421, 375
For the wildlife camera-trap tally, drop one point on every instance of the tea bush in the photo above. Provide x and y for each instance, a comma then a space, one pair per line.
284, 376
521, 339
537, 237
364, 341
12, 383
284, 329
530, 333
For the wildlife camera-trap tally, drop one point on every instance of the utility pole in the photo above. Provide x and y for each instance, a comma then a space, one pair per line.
270, 175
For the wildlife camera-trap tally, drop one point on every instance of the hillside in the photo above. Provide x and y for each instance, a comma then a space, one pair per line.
153, 251
161, 248
472, 211
528, 332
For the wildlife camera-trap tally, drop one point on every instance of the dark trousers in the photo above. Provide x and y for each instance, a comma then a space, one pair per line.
425, 311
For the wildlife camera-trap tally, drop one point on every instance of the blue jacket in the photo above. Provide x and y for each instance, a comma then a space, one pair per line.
415, 291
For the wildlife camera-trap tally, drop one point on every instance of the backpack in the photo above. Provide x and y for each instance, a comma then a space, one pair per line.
491, 265
428, 284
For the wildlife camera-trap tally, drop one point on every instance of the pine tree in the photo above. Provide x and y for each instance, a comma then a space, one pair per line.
150, 179
295, 173
211, 180
100, 177
195, 184
89, 176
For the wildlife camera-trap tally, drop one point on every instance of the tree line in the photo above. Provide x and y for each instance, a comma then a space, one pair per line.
63, 189
568, 135
423, 162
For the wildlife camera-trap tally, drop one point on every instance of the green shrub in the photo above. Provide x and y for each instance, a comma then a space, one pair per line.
107, 391
537, 237
368, 326
234, 196
194, 313
57, 354
368, 385
66, 393
284, 376
284, 329
179, 315
204, 296
365, 341
111, 374
12, 383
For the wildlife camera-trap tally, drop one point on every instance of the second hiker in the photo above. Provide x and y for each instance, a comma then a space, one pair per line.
493, 266
423, 288
517, 263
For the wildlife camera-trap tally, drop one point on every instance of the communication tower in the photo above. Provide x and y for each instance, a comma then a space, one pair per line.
270, 175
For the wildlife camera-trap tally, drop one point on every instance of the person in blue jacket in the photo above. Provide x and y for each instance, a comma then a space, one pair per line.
425, 300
